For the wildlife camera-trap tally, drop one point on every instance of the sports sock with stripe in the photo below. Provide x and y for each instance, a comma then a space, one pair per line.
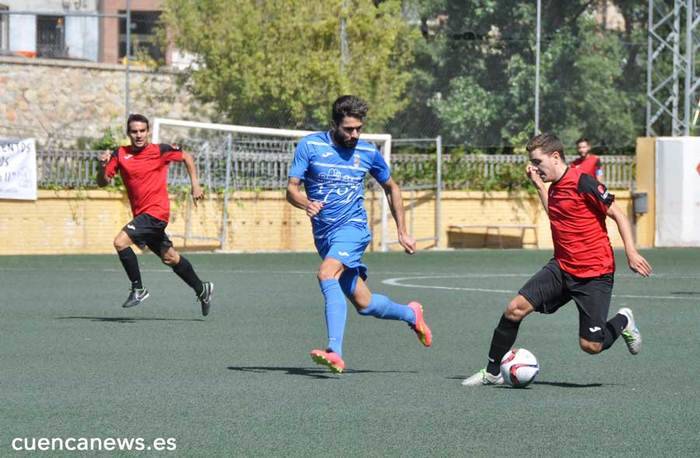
131, 266
503, 339
384, 308
336, 314
613, 329
184, 270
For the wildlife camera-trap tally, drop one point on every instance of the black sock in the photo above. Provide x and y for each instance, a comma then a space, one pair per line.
184, 270
613, 329
131, 265
503, 339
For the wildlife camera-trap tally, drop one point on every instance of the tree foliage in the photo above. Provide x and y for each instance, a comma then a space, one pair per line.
475, 79
471, 78
278, 63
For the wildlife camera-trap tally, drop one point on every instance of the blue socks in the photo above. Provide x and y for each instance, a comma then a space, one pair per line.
384, 308
336, 314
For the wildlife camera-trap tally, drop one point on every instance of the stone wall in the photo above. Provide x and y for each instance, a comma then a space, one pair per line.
58, 101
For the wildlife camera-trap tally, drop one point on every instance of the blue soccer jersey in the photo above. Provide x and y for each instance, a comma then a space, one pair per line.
336, 176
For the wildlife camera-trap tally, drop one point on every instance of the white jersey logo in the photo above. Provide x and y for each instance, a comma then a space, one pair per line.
131, 226
328, 154
128, 156
343, 253
595, 329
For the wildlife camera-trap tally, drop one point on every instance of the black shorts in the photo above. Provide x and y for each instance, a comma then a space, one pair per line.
147, 231
551, 288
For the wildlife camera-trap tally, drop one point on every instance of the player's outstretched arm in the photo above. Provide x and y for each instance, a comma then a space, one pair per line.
635, 260
393, 195
296, 197
197, 192
536, 179
101, 177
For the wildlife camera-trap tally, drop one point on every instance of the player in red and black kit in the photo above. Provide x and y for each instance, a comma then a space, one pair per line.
583, 266
143, 167
588, 162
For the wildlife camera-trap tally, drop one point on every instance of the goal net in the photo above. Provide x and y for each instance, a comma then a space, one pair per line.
244, 172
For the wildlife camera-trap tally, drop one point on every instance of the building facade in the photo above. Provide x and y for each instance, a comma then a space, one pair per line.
90, 30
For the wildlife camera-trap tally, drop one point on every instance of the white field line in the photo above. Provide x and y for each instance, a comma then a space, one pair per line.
401, 281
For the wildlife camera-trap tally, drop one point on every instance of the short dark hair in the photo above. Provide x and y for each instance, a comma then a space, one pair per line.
548, 143
135, 117
583, 139
348, 105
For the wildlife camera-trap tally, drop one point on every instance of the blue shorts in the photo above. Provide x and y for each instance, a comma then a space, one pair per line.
347, 244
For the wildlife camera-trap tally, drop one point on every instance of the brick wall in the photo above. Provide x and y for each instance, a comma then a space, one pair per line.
71, 222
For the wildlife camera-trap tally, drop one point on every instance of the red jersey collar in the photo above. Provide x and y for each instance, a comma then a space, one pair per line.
562, 176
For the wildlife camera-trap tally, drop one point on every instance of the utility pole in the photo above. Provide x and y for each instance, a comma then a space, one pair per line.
537, 67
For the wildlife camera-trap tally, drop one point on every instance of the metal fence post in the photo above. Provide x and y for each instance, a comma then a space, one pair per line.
224, 213
438, 191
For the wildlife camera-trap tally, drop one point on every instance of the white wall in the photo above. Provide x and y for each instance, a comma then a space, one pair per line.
50, 5
22, 33
82, 33
677, 191
82, 37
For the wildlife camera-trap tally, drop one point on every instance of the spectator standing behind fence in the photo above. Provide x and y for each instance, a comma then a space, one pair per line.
588, 162
144, 168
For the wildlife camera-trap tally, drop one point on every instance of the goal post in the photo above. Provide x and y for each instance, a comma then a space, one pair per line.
232, 157
419, 172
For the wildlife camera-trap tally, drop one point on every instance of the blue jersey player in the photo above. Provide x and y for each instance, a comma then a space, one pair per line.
332, 166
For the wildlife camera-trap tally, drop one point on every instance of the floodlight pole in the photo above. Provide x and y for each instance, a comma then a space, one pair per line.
689, 64
438, 190
664, 113
537, 67
344, 47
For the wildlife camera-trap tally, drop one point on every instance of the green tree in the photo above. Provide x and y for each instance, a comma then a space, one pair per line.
278, 63
475, 75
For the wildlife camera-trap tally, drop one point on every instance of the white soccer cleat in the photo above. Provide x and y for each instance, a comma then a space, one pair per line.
631, 334
483, 378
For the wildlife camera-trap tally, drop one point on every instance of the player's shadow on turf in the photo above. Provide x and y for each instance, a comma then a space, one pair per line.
106, 319
572, 385
559, 384
686, 293
313, 372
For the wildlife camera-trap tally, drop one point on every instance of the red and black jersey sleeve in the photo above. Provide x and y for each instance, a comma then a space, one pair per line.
170, 153
113, 164
595, 194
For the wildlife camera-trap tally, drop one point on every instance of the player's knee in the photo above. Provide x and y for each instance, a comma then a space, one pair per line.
514, 312
592, 348
170, 259
360, 303
328, 272
119, 244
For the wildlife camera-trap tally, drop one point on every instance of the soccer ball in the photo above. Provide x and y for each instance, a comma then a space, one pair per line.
519, 368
